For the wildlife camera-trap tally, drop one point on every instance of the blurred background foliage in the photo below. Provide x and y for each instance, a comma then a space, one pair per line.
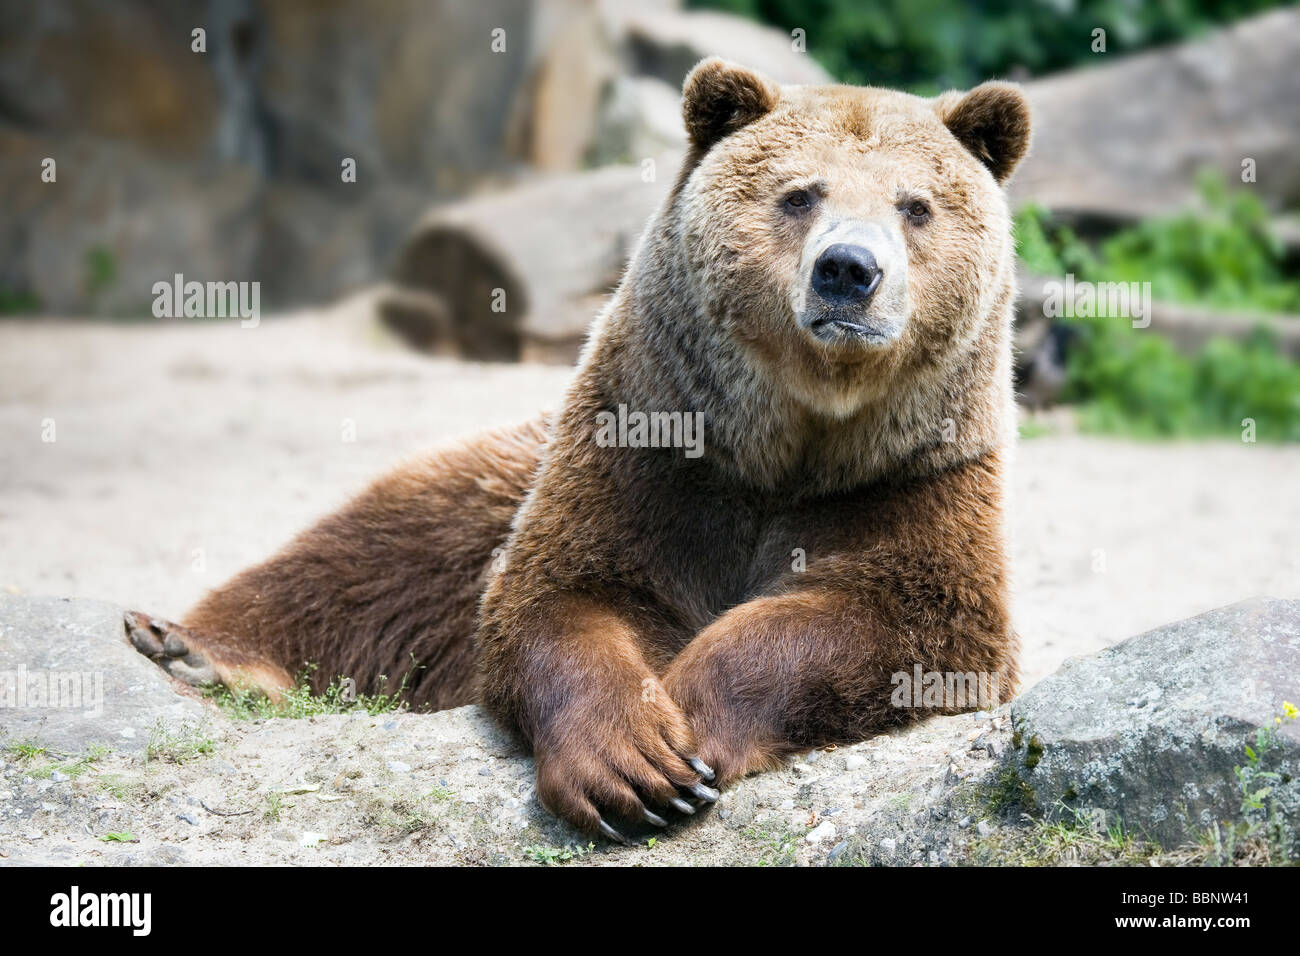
930, 45
1126, 381
1222, 254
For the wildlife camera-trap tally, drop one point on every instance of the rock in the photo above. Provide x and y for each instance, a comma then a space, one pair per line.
557, 111
116, 221
123, 71
667, 44
1142, 732
640, 116
226, 164
823, 831
1151, 731
1212, 102
69, 680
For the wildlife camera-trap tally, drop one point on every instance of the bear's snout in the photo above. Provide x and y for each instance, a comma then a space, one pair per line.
852, 290
846, 274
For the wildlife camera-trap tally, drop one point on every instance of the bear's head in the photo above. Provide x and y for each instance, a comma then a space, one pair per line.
847, 236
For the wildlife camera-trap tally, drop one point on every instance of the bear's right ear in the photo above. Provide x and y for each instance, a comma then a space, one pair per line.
719, 97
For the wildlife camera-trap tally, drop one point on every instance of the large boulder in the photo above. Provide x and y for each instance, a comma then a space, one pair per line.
119, 219
69, 681
1127, 138
116, 220
226, 163
1151, 732
122, 71
666, 44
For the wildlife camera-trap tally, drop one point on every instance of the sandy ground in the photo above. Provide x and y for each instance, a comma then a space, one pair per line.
184, 453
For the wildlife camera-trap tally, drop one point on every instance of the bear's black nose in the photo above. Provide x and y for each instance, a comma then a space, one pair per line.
845, 274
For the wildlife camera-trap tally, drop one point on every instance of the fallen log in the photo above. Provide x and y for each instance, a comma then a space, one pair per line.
524, 271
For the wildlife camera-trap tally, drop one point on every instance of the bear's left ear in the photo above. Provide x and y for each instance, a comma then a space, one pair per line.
992, 121
719, 97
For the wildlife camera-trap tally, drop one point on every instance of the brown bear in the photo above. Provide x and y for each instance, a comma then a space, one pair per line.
827, 291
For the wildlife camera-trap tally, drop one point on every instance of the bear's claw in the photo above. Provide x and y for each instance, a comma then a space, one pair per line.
707, 794
613, 834
703, 769
654, 819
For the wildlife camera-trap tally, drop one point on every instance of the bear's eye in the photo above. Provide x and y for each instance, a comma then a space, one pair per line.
799, 199
917, 212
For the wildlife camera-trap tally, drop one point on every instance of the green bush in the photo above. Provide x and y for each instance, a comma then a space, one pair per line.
1132, 381
929, 45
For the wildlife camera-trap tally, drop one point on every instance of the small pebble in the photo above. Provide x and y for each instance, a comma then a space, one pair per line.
398, 767
823, 831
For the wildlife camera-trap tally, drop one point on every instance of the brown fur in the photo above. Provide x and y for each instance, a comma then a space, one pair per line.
645, 610
384, 592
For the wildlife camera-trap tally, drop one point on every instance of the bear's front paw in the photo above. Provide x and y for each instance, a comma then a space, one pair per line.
732, 733
628, 760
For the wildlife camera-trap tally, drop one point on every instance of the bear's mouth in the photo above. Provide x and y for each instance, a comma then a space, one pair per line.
838, 329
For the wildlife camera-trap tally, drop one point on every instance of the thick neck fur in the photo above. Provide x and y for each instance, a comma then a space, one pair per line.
657, 348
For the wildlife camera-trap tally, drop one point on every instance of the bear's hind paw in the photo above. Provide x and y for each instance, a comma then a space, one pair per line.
171, 647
